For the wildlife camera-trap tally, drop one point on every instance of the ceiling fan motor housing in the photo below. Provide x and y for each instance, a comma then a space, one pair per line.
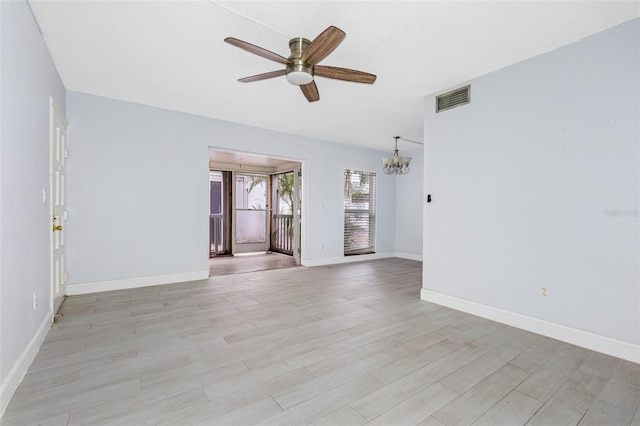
298, 72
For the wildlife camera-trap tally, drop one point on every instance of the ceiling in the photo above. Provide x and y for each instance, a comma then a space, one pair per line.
227, 160
171, 54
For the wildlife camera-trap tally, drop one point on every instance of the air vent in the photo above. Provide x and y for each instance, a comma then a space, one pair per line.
454, 98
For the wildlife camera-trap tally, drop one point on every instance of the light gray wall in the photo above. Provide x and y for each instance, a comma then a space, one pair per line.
409, 202
138, 188
536, 183
28, 79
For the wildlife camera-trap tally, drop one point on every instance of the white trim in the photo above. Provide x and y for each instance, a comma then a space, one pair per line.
19, 369
96, 287
52, 104
346, 259
409, 256
597, 342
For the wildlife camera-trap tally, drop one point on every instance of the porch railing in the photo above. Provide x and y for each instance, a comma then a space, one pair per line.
216, 234
282, 233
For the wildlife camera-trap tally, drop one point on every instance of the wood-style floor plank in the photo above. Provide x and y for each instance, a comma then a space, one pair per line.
514, 409
344, 344
473, 403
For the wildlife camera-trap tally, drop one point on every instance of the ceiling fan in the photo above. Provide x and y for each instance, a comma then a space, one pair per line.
302, 65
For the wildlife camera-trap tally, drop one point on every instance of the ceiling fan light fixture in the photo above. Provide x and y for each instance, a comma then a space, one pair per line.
298, 72
299, 78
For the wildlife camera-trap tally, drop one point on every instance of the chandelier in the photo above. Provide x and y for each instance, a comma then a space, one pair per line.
396, 165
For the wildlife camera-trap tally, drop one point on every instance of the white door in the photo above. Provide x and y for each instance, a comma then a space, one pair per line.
58, 206
251, 224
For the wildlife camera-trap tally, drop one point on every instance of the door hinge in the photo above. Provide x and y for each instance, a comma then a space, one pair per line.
66, 153
65, 277
299, 173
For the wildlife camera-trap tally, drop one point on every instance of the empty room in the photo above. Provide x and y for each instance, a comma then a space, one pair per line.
440, 226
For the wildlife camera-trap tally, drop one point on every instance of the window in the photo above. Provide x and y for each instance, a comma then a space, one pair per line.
359, 212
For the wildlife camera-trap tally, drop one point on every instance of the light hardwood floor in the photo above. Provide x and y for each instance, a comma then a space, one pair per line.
241, 264
344, 345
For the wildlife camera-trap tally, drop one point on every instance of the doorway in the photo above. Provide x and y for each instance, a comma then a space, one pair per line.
286, 199
254, 213
251, 213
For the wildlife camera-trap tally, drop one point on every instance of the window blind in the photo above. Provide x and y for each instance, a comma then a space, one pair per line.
359, 212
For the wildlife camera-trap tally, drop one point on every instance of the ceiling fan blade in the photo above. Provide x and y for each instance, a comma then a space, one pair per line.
256, 50
310, 91
264, 76
344, 74
322, 45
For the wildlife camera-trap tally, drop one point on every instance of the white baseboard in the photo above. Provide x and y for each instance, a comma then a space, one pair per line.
409, 256
346, 259
11, 382
585, 339
96, 287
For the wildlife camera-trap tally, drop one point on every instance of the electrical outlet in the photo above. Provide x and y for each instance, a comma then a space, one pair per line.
545, 293
35, 301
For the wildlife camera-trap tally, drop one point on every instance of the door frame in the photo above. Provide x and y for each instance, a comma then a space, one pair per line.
227, 206
297, 213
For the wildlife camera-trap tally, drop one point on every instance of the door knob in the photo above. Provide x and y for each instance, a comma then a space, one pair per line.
57, 228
